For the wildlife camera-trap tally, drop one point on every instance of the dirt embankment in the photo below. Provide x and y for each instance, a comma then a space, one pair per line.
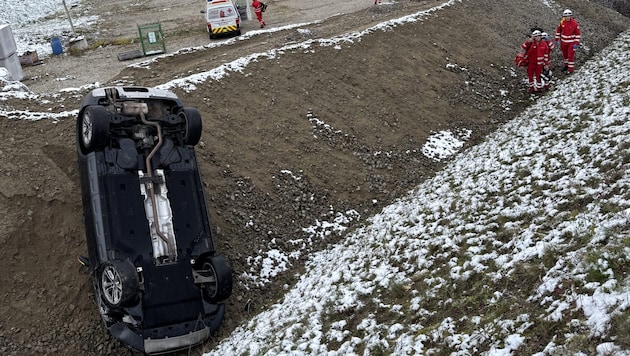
380, 97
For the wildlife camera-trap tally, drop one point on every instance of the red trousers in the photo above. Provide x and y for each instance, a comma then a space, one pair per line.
259, 17
568, 54
533, 77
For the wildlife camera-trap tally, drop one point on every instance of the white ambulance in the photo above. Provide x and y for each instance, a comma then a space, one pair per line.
222, 18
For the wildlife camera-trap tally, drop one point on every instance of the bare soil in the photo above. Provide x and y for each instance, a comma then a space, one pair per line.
381, 96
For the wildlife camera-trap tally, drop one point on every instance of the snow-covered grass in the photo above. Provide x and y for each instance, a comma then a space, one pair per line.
520, 245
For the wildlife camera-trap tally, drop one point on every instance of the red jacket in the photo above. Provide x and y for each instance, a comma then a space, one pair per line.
538, 53
568, 32
257, 5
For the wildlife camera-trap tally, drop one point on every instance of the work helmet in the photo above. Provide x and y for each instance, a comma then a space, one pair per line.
567, 13
536, 33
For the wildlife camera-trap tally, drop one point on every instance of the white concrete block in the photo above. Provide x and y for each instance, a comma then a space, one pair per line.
12, 64
7, 42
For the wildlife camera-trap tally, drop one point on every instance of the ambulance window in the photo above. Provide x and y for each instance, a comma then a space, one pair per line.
219, 12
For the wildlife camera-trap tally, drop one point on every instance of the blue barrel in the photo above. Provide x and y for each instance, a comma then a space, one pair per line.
56, 46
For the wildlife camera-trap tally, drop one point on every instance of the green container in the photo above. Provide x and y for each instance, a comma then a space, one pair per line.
152, 39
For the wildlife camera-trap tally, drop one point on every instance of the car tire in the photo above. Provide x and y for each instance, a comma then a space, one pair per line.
219, 268
193, 125
119, 283
94, 128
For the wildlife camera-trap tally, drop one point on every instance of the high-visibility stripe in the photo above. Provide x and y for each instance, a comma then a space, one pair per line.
225, 29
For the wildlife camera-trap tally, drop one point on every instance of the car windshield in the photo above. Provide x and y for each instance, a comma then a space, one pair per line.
218, 12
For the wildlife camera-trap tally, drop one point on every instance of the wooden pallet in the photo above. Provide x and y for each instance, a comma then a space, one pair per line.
30, 59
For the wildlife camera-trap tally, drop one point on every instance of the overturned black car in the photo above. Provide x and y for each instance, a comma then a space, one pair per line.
157, 278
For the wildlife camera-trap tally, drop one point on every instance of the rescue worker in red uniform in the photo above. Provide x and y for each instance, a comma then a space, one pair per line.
547, 75
258, 6
537, 54
568, 32
545, 37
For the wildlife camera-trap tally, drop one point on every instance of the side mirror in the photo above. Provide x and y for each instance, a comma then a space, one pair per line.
203, 11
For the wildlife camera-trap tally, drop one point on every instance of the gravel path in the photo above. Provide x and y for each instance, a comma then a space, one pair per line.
183, 26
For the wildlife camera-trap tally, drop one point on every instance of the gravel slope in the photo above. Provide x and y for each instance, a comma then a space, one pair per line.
382, 95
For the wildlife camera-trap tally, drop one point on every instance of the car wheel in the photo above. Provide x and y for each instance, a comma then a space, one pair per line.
219, 268
119, 283
94, 128
192, 119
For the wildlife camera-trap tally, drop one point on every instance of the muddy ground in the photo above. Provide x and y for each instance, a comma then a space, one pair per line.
380, 98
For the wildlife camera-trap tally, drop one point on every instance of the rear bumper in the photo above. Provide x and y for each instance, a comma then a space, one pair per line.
177, 342
184, 336
157, 346
216, 29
